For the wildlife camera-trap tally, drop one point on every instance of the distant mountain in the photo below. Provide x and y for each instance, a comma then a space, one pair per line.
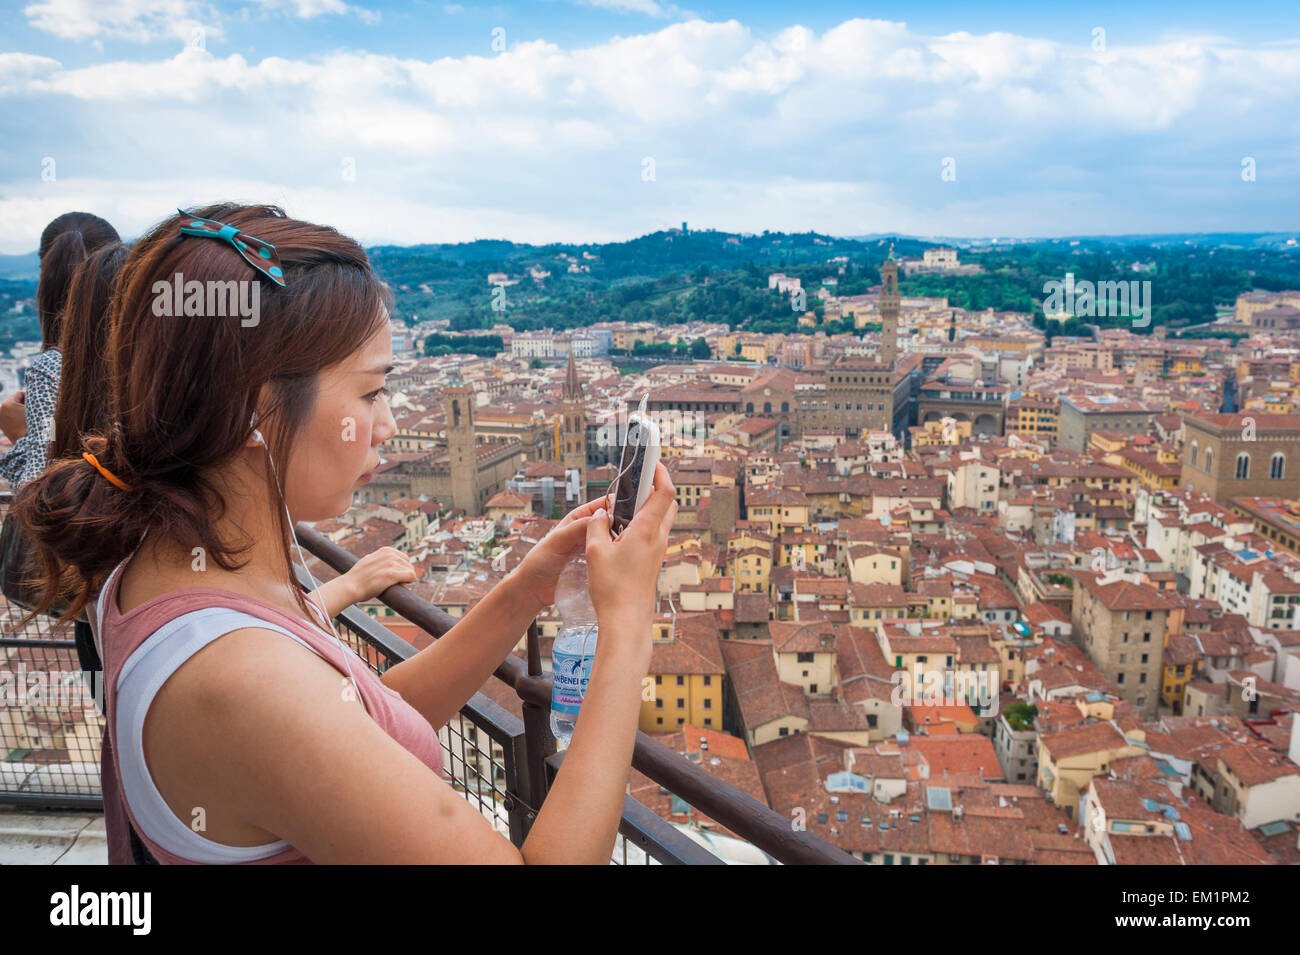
26, 266
1224, 240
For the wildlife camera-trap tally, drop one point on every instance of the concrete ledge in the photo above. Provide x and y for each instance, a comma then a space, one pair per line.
52, 838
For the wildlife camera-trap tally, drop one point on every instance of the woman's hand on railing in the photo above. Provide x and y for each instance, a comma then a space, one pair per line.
369, 577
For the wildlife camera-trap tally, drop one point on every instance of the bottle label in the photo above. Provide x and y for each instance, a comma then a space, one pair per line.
570, 673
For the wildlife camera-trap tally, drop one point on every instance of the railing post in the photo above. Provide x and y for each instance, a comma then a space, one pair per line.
538, 741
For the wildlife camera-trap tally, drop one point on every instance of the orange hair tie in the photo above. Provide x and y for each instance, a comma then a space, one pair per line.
103, 470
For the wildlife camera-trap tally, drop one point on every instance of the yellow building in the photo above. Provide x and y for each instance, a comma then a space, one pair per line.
754, 349
1183, 662
869, 603
751, 569
1069, 758
1160, 470
875, 565
805, 655
801, 548
684, 680
1035, 415
783, 509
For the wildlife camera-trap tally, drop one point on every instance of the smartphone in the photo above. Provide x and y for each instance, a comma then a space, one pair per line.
636, 471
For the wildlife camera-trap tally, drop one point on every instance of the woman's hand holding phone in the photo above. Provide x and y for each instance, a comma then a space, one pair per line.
623, 574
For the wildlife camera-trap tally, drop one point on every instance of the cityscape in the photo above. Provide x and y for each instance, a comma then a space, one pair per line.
987, 549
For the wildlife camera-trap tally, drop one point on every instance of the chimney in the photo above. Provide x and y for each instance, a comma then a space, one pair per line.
704, 743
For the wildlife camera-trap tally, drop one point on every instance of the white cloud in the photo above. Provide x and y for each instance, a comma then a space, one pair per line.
648, 7
306, 9
839, 130
139, 21
144, 21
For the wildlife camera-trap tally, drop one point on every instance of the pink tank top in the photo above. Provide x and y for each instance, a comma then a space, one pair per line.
122, 634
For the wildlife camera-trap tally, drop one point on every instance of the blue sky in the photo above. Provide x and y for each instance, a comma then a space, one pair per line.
591, 121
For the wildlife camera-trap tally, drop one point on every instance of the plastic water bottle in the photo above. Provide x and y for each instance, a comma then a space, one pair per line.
574, 649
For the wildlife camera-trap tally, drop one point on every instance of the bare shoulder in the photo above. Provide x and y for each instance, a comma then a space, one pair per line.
273, 737
202, 722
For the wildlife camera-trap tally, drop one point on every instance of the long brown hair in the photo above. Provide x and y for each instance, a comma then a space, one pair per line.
65, 243
82, 407
182, 391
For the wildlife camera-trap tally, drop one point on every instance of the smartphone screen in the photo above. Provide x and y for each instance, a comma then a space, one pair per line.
625, 494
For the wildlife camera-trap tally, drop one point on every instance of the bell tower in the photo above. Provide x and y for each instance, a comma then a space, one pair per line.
889, 304
458, 404
573, 438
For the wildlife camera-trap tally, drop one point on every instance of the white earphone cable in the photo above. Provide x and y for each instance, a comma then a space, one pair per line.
302, 560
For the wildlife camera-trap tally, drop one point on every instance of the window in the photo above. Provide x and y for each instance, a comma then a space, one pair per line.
1277, 466
812, 687
681, 680
659, 705
1209, 459
681, 703
1243, 466
803, 658
708, 680
1191, 455
708, 702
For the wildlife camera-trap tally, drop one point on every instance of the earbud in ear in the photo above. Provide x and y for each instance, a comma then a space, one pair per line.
257, 436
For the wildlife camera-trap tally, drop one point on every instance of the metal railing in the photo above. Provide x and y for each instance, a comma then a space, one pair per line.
504, 765
767, 830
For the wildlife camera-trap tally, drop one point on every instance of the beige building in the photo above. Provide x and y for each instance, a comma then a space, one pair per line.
1120, 622
1242, 455
1069, 759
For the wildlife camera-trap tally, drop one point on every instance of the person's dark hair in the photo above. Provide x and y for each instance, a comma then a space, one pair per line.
182, 391
65, 243
82, 407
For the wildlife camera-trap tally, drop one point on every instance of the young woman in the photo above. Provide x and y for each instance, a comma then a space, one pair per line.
229, 742
83, 410
27, 416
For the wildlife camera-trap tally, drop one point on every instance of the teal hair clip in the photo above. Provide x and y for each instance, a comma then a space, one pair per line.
257, 253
